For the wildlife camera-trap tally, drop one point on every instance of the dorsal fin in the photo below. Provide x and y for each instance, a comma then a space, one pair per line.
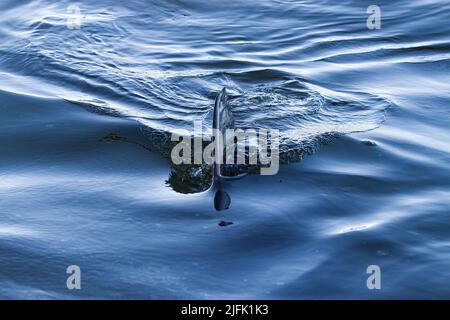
222, 120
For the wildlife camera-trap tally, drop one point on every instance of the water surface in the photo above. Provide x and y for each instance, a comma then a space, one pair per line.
310, 69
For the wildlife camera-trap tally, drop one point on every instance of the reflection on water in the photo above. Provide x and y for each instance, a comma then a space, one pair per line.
190, 178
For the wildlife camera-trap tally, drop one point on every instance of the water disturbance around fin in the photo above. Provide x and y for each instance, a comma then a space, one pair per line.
306, 116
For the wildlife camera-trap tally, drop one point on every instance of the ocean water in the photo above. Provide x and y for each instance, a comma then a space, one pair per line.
86, 87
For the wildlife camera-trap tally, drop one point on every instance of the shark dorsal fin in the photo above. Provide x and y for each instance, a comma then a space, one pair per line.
223, 119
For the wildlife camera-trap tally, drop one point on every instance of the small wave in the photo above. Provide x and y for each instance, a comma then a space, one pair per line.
167, 77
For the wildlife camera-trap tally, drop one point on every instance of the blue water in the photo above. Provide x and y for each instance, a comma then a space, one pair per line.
311, 69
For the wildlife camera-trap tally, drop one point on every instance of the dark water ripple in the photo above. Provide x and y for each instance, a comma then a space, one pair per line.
164, 67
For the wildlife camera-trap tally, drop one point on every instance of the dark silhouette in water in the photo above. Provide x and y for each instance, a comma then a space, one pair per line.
223, 223
222, 200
